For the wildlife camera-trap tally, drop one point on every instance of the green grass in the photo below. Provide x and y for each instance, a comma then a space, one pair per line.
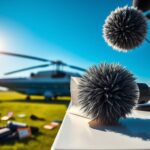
11, 101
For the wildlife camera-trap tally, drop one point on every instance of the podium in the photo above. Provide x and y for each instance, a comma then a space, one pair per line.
75, 133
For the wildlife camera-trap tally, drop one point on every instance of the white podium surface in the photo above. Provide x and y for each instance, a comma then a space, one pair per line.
75, 133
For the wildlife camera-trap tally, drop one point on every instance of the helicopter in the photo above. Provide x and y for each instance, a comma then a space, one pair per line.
50, 84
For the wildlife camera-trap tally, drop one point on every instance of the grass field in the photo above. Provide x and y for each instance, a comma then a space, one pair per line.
11, 101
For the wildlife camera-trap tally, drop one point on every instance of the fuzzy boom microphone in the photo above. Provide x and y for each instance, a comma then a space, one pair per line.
108, 92
125, 28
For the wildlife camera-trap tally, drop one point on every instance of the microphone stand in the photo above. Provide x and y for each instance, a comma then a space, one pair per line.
143, 5
143, 103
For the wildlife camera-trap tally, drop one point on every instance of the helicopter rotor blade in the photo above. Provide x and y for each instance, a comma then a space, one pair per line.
26, 56
39, 59
28, 68
75, 67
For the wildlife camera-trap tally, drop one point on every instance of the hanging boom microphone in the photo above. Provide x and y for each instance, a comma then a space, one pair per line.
125, 28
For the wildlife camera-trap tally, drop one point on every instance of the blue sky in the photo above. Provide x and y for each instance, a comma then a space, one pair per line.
69, 30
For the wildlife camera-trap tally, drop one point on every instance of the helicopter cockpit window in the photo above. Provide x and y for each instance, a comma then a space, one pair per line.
58, 75
32, 75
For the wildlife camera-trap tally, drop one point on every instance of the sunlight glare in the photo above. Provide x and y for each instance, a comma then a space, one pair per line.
2, 44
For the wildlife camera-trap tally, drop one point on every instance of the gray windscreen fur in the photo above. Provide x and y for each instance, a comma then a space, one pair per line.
108, 92
125, 28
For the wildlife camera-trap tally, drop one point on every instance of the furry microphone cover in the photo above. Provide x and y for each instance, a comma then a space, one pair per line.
125, 28
108, 92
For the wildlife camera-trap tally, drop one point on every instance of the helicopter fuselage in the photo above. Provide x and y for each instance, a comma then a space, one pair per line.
48, 84
51, 83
